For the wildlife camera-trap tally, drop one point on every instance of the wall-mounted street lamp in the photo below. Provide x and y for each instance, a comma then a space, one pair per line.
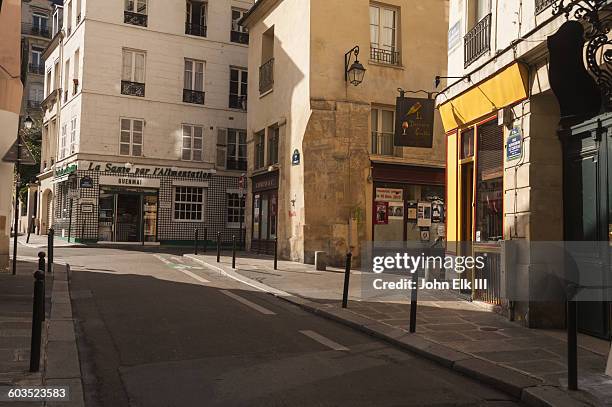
28, 123
355, 73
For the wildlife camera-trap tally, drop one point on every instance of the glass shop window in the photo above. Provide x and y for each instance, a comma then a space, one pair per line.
490, 183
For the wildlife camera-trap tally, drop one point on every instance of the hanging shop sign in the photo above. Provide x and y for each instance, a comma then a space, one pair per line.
389, 194
381, 213
137, 182
142, 170
414, 122
86, 182
295, 158
514, 145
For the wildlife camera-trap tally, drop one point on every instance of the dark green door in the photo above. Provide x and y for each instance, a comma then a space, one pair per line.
587, 213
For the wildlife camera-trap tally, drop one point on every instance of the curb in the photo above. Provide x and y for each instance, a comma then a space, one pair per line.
529, 390
62, 366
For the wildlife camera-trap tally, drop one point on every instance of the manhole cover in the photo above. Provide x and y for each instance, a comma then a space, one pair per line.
489, 329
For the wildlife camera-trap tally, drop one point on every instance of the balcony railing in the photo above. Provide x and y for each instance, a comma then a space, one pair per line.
266, 76
385, 56
238, 102
37, 69
541, 5
40, 31
129, 17
195, 29
193, 96
34, 104
233, 164
239, 37
132, 88
477, 41
382, 144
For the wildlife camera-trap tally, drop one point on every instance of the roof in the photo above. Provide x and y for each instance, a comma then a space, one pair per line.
248, 18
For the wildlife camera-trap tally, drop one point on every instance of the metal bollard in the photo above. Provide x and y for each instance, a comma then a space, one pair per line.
50, 240
195, 242
347, 277
41, 267
572, 346
233, 251
276, 253
205, 239
218, 247
37, 312
413, 301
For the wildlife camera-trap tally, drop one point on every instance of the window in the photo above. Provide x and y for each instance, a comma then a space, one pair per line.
133, 73
259, 149
66, 79
383, 35
40, 24
193, 91
266, 70
383, 129
135, 12
69, 19
273, 135
235, 210
239, 33
131, 139
236, 150
37, 65
57, 20
195, 22
192, 143
75, 74
63, 142
188, 204
238, 88
36, 96
73, 136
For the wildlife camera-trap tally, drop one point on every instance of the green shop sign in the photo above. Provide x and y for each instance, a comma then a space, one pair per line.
69, 169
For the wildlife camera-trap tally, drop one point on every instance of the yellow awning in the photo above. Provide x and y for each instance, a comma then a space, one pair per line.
505, 88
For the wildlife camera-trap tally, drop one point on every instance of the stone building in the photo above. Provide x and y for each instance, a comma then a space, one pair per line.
321, 150
137, 96
11, 91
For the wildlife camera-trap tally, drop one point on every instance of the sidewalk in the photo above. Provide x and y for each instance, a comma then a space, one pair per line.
40, 241
59, 365
468, 337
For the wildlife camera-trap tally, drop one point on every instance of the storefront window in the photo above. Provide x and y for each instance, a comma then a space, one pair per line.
489, 183
467, 143
189, 204
235, 210
256, 215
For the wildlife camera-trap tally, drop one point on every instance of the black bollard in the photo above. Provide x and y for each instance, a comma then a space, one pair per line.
572, 345
37, 313
347, 277
50, 239
234, 251
205, 239
218, 247
276, 253
413, 301
195, 242
41, 267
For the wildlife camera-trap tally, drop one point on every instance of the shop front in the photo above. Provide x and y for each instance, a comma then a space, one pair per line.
408, 203
265, 212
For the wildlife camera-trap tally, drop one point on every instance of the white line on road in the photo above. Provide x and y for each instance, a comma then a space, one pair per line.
177, 259
194, 276
162, 259
324, 341
248, 303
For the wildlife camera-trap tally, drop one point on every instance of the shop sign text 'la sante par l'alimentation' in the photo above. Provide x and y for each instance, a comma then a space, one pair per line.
112, 168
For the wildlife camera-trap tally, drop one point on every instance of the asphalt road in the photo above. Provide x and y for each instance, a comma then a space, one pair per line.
156, 330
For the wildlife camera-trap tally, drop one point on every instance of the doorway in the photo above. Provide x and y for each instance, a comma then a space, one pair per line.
127, 215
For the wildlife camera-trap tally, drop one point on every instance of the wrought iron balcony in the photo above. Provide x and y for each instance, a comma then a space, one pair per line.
193, 96
385, 56
477, 41
132, 88
40, 31
130, 17
239, 37
541, 5
237, 102
195, 29
37, 69
233, 164
266, 76
34, 104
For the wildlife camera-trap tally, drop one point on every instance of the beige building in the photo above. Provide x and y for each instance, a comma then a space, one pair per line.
137, 95
321, 151
11, 90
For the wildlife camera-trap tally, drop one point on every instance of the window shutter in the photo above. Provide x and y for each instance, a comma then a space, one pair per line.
221, 148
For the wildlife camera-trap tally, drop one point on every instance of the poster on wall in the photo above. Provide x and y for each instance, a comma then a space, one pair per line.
425, 235
412, 211
396, 210
389, 195
381, 213
424, 214
437, 212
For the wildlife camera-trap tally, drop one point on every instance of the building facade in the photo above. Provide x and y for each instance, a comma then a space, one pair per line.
11, 91
321, 151
509, 167
142, 99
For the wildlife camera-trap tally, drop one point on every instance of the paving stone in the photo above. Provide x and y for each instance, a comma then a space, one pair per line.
451, 327
518, 355
483, 335
446, 336
540, 367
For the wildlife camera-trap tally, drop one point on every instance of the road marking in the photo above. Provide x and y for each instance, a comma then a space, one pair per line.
177, 259
324, 341
248, 303
194, 276
162, 259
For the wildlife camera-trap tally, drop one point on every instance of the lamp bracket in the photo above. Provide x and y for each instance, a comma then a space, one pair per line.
347, 60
